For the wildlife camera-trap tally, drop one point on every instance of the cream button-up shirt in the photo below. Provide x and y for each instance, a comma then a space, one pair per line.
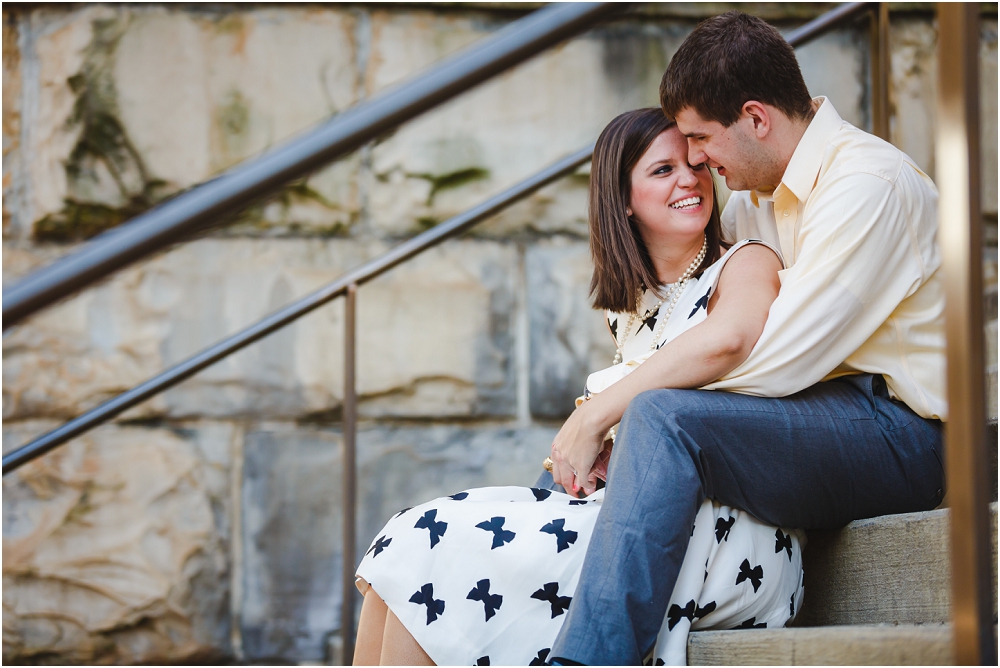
862, 290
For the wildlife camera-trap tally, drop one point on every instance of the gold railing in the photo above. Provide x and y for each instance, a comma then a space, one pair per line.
960, 236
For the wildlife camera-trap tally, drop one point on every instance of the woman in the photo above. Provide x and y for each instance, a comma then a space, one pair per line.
486, 575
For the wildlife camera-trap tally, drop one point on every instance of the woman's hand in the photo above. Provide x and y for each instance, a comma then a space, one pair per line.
575, 449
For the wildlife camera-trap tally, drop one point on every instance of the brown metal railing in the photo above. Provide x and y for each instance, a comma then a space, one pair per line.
959, 238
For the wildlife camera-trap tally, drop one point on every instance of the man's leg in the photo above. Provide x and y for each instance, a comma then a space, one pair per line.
835, 452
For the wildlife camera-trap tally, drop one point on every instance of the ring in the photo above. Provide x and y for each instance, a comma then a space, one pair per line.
547, 464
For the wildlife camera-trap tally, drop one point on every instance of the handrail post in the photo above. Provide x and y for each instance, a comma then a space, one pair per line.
350, 474
960, 235
880, 69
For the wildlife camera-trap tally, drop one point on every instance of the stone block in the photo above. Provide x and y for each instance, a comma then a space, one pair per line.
292, 513
853, 575
291, 529
569, 339
867, 645
507, 128
115, 547
11, 118
102, 150
836, 66
913, 94
988, 112
56, 50
434, 335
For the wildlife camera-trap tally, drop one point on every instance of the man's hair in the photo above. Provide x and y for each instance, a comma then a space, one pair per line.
728, 60
622, 266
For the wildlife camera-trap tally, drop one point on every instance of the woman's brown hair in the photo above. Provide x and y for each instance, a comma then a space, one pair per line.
622, 266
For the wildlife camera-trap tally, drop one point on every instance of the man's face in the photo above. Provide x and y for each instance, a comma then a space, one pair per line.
735, 152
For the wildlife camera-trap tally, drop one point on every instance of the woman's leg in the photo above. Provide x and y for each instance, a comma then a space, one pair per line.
398, 646
371, 628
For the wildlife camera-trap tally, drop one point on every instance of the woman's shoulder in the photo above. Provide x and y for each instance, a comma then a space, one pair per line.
751, 254
745, 243
753, 251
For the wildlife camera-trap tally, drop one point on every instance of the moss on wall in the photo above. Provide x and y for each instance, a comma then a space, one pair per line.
451, 180
102, 150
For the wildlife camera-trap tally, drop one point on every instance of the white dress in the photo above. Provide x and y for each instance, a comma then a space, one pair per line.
486, 575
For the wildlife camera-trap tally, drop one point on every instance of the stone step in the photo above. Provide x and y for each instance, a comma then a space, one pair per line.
865, 645
892, 569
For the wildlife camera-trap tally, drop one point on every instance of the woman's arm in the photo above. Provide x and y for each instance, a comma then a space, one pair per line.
707, 351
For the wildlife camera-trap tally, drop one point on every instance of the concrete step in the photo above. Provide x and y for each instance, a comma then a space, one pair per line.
871, 645
893, 569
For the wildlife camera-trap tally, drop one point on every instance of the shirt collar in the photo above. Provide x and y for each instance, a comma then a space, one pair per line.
804, 165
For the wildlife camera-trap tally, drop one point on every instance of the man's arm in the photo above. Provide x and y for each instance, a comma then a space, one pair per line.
857, 262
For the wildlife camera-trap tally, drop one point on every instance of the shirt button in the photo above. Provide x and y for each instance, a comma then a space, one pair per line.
785, 213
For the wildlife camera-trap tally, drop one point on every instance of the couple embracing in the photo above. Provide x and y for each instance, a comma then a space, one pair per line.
779, 368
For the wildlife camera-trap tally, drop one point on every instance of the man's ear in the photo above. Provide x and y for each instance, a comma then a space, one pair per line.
761, 117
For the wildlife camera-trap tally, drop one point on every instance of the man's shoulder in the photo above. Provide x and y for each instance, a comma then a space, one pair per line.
854, 151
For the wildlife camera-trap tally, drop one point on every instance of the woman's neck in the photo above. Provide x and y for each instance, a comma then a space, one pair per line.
671, 260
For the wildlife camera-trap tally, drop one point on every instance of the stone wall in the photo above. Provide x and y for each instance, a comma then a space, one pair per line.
204, 524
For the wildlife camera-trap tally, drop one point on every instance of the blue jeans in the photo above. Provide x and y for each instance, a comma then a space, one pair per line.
835, 452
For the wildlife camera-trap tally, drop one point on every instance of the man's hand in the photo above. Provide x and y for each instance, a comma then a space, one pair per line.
575, 450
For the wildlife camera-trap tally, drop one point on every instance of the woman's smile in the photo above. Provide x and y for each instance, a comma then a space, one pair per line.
687, 204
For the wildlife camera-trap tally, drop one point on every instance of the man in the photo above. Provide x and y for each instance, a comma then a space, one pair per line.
835, 415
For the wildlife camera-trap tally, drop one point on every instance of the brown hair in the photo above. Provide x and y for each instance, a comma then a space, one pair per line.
728, 60
622, 266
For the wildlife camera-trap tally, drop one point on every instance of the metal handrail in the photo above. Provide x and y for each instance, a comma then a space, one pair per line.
362, 274
957, 154
204, 205
825, 22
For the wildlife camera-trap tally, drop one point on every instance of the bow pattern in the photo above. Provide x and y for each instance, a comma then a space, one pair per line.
425, 596
380, 544
755, 574
541, 494
500, 535
564, 537
491, 602
539, 660
690, 612
749, 624
437, 529
550, 592
701, 303
722, 528
783, 541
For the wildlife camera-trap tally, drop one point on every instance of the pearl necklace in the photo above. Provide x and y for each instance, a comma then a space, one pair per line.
676, 290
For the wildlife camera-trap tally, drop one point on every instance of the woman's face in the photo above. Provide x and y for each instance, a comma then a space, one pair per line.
671, 200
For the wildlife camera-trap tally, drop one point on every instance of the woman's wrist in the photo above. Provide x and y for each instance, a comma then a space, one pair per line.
598, 416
